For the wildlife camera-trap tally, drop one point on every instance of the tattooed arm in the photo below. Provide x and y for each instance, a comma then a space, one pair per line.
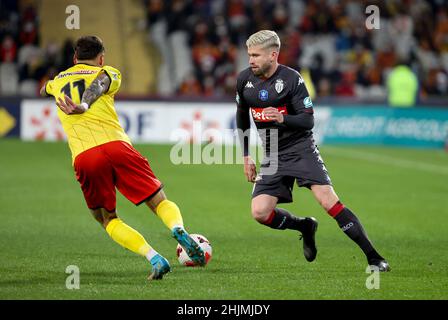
99, 86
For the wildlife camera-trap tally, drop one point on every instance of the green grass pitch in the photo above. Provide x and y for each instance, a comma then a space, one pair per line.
400, 195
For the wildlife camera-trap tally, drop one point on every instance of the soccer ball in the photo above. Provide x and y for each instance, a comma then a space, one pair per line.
185, 260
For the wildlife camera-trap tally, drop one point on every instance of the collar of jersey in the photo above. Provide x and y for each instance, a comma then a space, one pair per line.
275, 73
87, 64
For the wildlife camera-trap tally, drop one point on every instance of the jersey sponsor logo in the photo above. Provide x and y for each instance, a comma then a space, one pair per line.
249, 85
279, 85
307, 102
259, 116
63, 75
301, 81
263, 95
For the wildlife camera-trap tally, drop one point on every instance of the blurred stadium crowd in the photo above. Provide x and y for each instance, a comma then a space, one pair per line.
203, 45
24, 65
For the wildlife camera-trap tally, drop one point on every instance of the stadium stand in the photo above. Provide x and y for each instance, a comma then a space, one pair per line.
196, 47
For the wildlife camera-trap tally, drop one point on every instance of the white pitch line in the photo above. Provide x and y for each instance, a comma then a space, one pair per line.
376, 158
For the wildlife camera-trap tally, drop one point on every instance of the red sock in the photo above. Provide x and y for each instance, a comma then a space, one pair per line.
336, 209
271, 217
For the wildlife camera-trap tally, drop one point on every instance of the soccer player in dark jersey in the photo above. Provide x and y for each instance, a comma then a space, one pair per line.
277, 99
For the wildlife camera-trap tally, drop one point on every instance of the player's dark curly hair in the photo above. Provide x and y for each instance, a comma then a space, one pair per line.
88, 47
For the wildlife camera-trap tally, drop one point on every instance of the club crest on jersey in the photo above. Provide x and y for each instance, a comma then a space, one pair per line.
263, 95
279, 85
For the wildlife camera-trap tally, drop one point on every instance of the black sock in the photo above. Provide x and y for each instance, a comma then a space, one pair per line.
353, 228
281, 219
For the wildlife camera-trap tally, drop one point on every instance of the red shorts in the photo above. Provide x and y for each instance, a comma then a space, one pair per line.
114, 164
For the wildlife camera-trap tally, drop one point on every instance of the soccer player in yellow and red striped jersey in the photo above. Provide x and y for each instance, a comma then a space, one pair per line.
104, 158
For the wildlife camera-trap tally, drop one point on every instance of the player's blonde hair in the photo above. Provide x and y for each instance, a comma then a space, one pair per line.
265, 38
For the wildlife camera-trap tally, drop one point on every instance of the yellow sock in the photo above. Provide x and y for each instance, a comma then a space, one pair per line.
127, 237
169, 213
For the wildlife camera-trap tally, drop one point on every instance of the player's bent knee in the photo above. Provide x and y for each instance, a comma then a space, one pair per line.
103, 216
98, 216
156, 200
261, 212
262, 207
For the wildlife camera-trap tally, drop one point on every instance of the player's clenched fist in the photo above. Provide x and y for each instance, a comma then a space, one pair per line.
273, 114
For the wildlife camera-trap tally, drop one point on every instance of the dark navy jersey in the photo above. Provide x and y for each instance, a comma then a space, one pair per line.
284, 90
